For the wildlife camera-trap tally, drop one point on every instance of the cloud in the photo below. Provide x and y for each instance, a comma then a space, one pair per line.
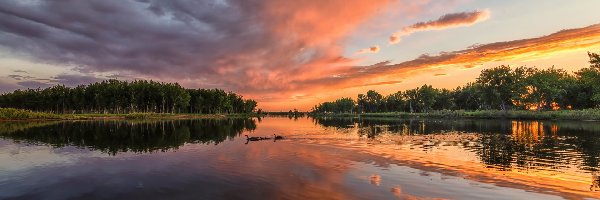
75, 80
373, 49
258, 46
21, 71
580, 39
19, 77
34, 84
70, 80
263, 49
7, 87
379, 83
444, 22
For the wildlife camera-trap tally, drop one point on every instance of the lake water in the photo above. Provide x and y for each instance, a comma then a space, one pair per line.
324, 158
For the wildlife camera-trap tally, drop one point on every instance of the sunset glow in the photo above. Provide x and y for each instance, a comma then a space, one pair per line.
289, 54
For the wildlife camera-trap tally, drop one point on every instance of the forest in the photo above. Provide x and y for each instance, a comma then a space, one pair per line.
500, 88
114, 96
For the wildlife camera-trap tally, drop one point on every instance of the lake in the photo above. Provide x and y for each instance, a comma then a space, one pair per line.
318, 158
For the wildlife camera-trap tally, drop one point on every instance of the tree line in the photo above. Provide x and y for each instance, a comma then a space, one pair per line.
500, 88
114, 96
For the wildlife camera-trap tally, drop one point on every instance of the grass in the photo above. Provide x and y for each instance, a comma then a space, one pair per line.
17, 114
21, 114
586, 114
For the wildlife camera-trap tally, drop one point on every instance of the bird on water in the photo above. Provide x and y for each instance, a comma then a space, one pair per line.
252, 138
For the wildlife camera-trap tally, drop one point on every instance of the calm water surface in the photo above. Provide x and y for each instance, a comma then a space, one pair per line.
324, 158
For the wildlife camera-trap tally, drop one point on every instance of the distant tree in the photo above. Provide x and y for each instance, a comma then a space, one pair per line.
344, 105
394, 102
427, 97
113, 96
594, 60
374, 100
545, 87
412, 99
444, 100
588, 95
371, 102
468, 97
501, 85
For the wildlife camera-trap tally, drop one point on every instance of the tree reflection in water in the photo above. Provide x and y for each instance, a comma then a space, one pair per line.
500, 144
113, 137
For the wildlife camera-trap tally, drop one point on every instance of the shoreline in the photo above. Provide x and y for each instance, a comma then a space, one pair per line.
9, 114
578, 115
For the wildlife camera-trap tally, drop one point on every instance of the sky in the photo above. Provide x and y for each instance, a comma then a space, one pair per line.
289, 54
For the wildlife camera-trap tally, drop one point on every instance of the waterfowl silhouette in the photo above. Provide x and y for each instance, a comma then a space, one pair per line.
277, 137
252, 138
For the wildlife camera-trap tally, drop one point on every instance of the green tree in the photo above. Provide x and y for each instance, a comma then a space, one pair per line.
427, 97
588, 95
444, 100
394, 102
545, 87
594, 60
501, 85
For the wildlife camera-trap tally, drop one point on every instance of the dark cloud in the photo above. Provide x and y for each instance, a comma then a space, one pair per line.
34, 84
248, 45
70, 80
75, 80
446, 21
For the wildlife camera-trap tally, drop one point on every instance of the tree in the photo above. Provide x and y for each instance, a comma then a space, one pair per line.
342, 105
588, 95
501, 85
394, 102
426, 97
412, 99
468, 97
113, 96
545, 88
444, 100
594, 60
371, 102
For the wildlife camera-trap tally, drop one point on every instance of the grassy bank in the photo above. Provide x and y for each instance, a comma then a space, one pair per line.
20, 114
587, 114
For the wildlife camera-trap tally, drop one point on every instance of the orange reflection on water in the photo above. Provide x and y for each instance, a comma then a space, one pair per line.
528, 133
452, 153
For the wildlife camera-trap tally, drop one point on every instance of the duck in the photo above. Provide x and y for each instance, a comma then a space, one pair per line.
252, 138
277, 137
265, 138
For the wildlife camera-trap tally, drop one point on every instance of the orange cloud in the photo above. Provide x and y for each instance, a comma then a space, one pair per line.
446, 21
565, 40
373, 49
379, 83
579, 39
